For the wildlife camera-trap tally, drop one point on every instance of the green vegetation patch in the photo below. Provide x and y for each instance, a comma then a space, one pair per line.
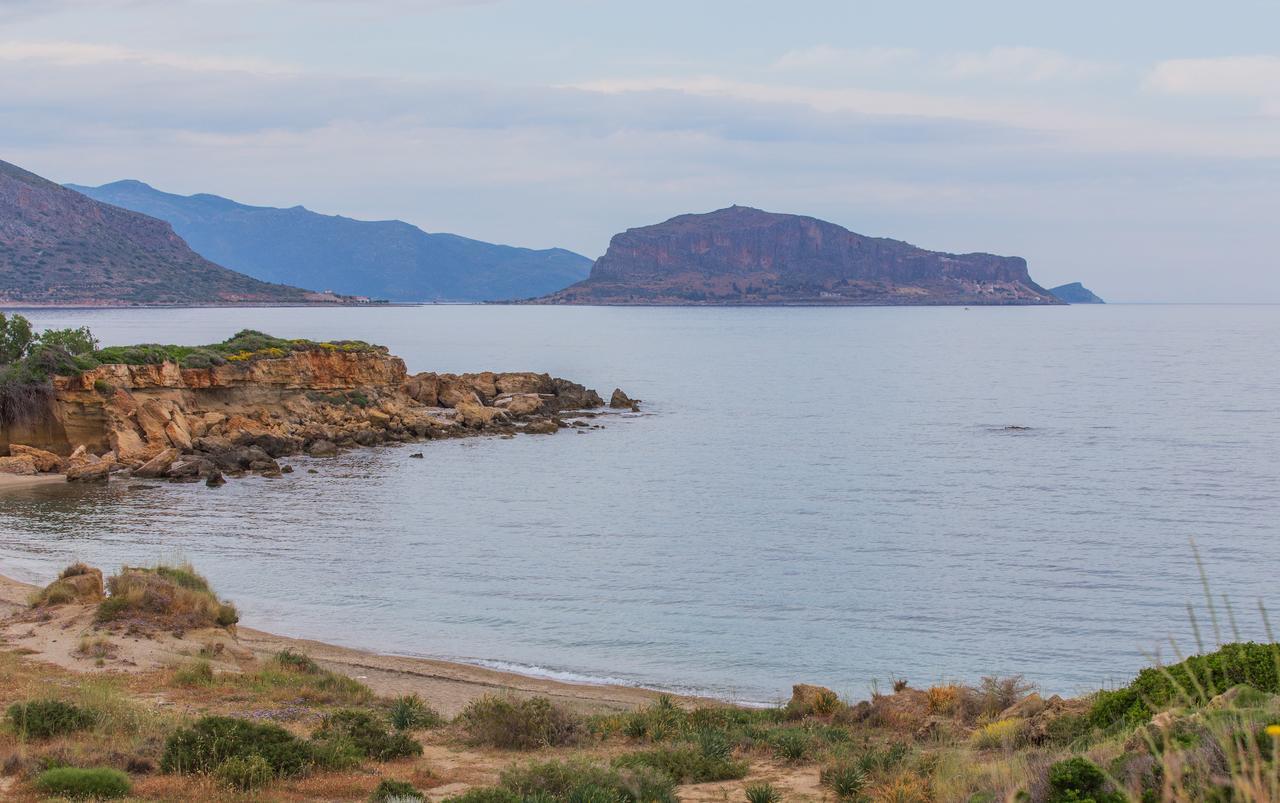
519, 724
44, 719
247, 345
174, 596
368, 734
214, 740
96, 783
391, 790
1189, 683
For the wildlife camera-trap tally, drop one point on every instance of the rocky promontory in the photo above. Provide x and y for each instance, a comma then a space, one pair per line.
163, 420
744, 256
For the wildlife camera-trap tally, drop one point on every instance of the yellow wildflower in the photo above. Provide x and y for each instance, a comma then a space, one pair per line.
1273, 730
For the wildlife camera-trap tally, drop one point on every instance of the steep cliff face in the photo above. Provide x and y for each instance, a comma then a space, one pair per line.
741, 255
1076, 293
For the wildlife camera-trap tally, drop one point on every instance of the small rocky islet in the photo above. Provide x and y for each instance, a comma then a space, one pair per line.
203, 414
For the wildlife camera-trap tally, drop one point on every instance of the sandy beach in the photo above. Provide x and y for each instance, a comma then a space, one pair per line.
448, 685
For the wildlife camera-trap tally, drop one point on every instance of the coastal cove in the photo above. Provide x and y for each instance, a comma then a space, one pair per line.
837, 496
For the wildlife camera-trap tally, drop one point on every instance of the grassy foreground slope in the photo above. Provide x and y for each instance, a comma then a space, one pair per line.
221, 723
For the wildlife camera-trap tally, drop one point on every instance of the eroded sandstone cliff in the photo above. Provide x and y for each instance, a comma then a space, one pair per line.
162, 420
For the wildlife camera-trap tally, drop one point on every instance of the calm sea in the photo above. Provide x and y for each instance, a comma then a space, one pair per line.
820, 495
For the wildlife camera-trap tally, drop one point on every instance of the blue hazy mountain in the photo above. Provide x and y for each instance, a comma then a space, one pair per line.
1076, 293
386, 259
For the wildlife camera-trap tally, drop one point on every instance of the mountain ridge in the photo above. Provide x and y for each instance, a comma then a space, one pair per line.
740, 255
388, 259
58, 246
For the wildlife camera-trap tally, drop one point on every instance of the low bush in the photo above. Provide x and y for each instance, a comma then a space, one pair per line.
297, 662
1003, 734
194, 673
368, 734
411, 713
44, 719
846, 780
791, 744
301, 679
1190, 682
519, 724
1079, 779
763, 793
172, 596
213, 740
685, 764
97, 783
245, 773
389, 791
582, 780
492, 794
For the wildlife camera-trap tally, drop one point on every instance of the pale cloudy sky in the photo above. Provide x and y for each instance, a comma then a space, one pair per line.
1132, 145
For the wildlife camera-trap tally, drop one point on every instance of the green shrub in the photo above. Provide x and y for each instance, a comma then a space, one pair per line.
171, 595
410, 713
1190, 682
389, 790
213, 740
791, 744
846, 780
194, 673
297, 662
99, 782
337, 753
763, 793
494, 794
685, 764
44, 719
519, 724
1078, 780
571, 781
368, 734
245, 773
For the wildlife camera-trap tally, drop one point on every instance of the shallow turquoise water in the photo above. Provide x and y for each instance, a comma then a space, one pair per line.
817, 495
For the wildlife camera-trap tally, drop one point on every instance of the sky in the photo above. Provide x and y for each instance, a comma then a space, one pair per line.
1133, 146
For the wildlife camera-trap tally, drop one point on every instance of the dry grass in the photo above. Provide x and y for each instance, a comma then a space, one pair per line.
164, 597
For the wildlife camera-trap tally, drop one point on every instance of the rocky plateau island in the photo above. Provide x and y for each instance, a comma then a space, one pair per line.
745, 256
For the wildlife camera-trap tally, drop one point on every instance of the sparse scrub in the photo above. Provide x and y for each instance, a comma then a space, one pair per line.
211, 741
685, 764
288, 677
245, 773
763, 793
1078, 779
391, 791
411, 713
44, 719
368, 734
846, 780
297, 662
168, 596
567, 780
194, 673
1003, 734
97, 783
519, 724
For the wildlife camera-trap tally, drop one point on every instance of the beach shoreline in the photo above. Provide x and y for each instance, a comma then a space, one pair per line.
449, 685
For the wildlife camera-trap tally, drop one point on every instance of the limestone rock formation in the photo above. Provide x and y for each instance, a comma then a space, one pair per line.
161, 421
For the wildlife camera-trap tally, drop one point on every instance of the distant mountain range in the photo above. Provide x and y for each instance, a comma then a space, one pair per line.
60, 247
1076, 293
741, 255
381, 259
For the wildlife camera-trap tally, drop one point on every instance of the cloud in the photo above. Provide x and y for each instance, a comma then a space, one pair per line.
1022, 65
1016, 65
1230, 76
